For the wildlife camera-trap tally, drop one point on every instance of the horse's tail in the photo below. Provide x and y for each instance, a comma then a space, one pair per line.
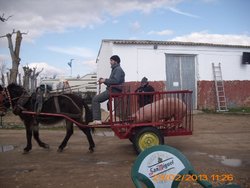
88, 114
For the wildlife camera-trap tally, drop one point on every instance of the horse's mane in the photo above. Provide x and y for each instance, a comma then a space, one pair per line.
16, 89
14, 85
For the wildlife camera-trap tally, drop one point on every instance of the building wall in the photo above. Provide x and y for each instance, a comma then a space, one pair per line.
139, 60
237, 94
103, 59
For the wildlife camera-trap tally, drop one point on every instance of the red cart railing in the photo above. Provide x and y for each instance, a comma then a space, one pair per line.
170, 112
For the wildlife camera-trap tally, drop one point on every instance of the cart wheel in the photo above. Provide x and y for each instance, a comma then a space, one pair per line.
147, 137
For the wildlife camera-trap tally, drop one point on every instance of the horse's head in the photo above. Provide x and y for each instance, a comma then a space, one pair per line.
9, 96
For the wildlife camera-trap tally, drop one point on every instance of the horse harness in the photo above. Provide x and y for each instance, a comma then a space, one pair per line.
58, 109
24, 98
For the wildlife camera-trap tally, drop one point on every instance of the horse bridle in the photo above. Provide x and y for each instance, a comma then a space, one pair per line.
6, 93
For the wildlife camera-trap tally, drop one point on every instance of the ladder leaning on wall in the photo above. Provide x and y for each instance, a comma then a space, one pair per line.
219, 86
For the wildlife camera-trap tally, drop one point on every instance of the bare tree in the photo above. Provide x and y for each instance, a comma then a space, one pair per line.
33, 77
26, 78
2, 71
14, 54
8, 77
19, 79
3, 19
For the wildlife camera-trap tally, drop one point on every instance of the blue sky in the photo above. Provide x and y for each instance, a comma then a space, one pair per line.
61, 30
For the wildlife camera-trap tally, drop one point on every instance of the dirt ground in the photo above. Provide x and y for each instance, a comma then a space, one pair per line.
219, 145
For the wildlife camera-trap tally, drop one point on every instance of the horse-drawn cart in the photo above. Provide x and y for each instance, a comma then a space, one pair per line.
168, 114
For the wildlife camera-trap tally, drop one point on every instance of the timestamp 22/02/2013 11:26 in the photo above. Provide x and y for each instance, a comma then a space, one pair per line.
193, 177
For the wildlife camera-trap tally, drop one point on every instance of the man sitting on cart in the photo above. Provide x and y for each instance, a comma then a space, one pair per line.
116, 78
145, 99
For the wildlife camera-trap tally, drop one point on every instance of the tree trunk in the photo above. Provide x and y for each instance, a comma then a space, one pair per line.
8, 77
19, 79
2, 70
14, 55
3, 80
34, 79
26, 78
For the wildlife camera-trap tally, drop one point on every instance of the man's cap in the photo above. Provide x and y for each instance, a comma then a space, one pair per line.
144, 80
115, 58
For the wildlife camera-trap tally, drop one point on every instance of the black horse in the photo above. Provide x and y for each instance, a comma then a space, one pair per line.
72, 105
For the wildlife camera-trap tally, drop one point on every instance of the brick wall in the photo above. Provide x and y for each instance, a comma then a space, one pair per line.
237, 94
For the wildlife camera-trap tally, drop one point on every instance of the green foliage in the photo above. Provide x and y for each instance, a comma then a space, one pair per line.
208, 110
240, 110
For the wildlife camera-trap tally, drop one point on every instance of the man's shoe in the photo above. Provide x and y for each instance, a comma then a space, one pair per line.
95, 122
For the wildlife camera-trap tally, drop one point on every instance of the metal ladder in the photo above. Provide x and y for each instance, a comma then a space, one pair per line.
219, 86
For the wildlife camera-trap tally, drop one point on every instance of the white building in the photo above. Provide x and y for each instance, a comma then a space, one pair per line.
183, 65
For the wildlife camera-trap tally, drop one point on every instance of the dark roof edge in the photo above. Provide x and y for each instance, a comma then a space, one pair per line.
153, 42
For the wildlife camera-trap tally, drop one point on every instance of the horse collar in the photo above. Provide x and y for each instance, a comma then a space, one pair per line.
8, 96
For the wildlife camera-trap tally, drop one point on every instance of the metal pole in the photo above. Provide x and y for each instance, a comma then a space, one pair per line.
71, 71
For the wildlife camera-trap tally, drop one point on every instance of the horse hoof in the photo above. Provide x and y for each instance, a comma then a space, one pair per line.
91, 150
46, 146
59, 150
25, 152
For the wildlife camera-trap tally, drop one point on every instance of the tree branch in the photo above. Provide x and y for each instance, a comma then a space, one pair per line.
4, 19
14, 32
